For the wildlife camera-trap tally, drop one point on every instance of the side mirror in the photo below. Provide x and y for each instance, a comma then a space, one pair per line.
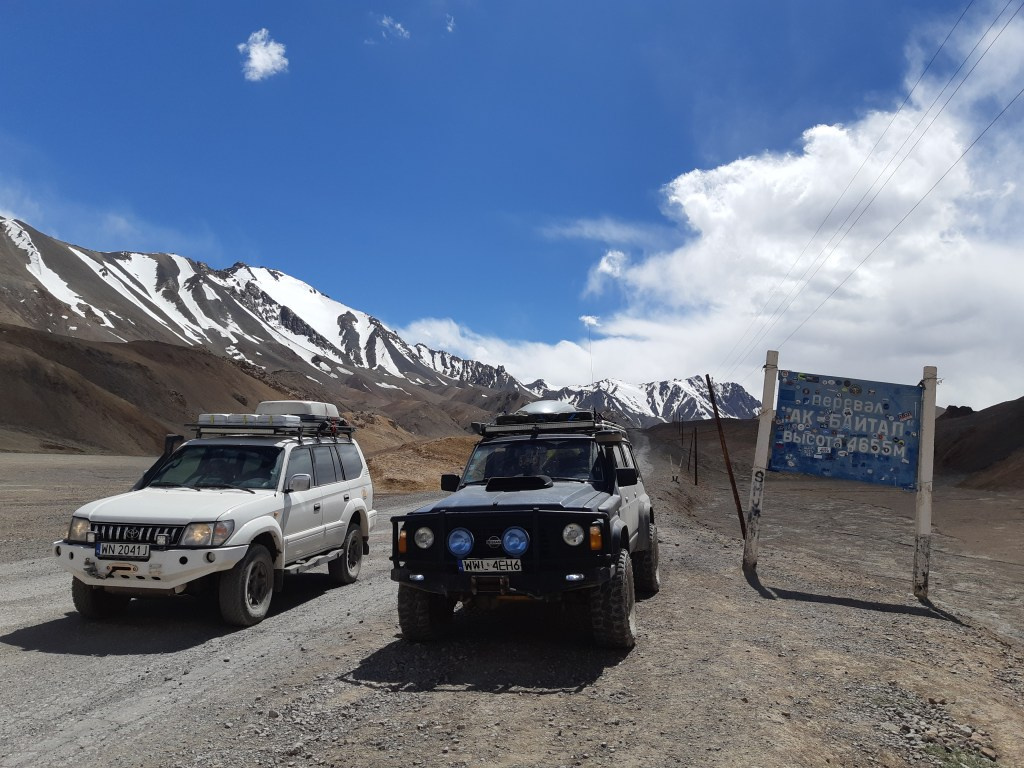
300, 482
450, 482
626, 476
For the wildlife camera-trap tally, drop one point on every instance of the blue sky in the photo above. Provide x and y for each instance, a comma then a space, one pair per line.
482, 175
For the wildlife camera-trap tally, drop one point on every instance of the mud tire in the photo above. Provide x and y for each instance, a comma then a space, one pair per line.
423, 615
646, 569
246, 590
613, 607
345, 569
95, 603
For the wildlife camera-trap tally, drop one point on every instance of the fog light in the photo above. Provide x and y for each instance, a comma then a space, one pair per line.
90, 537
161, 539
210, 557
415, 577
574, 577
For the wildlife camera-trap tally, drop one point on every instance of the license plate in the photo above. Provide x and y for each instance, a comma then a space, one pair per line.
496, 565
121, 550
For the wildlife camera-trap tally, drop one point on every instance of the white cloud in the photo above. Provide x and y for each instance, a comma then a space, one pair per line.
449, 22
611, 267
590, 320
264, 57
391, 29
900, 275
615, 233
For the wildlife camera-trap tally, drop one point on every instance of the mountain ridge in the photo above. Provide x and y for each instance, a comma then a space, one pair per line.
266, 319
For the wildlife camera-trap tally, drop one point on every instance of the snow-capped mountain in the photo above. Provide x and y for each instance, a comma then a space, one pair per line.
642, 405
268, 321
246, 313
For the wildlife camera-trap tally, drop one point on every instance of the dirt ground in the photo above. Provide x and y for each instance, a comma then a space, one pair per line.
824, 658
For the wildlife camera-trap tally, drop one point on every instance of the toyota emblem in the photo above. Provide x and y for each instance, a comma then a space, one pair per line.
131, 533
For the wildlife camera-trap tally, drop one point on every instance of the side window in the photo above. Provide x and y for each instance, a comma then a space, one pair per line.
618, 457
627, 454
324, 463
350, 461
300, 463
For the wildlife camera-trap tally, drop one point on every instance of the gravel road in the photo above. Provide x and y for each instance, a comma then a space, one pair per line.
824, 660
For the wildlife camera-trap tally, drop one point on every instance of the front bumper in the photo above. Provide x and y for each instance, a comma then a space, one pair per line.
538, 584
166, 569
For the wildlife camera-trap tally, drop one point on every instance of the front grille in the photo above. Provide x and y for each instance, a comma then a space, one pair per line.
143, 534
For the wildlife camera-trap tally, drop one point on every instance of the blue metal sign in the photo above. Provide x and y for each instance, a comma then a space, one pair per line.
847, 428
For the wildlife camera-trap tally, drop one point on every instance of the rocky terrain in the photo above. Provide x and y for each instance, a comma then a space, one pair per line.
824, 658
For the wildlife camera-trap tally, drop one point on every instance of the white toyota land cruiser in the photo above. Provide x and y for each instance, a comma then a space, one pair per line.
251, 498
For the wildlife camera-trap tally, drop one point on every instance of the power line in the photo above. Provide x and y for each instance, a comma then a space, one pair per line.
842, 194
906, 215
820, 260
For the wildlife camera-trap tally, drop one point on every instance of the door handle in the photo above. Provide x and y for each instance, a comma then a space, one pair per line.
346, 497
316, 507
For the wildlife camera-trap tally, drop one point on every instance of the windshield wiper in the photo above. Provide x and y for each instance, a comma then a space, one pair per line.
165, 484
226, 485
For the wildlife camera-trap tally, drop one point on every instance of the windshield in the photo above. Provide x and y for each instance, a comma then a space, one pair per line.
219, 466
566, 459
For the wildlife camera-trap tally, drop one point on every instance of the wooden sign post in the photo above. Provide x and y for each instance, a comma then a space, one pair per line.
764, 432
925, 466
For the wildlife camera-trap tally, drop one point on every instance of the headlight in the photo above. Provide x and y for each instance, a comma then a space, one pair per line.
206, 534
460, 542
79, 529
515, 541
572, 534
423, 537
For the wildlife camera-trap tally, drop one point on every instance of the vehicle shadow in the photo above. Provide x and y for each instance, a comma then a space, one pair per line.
155, 625
927, 609
523, 649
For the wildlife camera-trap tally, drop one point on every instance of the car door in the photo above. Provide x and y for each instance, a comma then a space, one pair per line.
630, 509
302, 517
351, 489
333, 497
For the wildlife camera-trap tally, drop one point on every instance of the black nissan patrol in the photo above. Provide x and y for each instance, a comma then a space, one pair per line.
551, 506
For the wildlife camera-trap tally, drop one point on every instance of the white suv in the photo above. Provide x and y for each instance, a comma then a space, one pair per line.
251, 498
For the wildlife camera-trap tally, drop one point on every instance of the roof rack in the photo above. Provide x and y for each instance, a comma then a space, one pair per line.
549, 416
287, 418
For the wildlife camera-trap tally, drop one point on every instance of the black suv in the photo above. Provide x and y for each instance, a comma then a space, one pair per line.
551, 506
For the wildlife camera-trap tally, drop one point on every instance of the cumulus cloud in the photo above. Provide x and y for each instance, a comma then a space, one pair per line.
874, 249
611, 267
264, 57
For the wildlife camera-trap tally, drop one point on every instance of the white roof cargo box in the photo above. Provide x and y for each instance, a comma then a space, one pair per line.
306, 408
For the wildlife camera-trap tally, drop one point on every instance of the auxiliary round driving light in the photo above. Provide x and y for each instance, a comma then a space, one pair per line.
514, 541
460, 542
